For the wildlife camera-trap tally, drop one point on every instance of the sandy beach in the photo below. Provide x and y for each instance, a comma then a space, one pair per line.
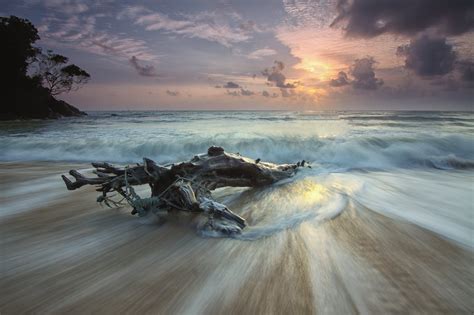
63, 253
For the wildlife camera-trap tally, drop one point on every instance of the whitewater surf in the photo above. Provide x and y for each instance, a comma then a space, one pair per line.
382, 222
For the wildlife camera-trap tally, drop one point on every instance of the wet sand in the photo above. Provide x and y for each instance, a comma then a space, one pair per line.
62, 253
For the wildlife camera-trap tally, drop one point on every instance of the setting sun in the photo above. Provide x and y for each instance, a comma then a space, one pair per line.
319, 69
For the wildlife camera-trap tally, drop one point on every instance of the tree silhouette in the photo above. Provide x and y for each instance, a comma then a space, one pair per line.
17, 37
57, 76
25, 96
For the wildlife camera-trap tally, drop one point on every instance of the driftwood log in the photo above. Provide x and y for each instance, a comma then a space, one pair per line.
184, 186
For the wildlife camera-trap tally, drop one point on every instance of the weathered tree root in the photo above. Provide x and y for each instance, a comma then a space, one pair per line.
185, 186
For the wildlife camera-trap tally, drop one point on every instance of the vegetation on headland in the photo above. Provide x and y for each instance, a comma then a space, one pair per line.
30, 78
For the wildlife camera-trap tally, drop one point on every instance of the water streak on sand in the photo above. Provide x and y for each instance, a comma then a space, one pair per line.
76, 257
382, 223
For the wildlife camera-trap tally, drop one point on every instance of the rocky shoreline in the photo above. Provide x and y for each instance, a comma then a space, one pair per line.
46, 109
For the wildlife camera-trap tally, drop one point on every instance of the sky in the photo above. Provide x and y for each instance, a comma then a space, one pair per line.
262, 55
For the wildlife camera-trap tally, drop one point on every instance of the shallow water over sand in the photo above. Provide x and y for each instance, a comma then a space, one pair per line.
381, 223
316, 244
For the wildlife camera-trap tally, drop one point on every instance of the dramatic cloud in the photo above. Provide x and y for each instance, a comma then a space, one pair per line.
246, 92
143, 70
260, 53
241, 92
364, 75
368, 18
266, 94
284, 93
233, 93
132, 12
172, 93
309, 13
82, 33
218, 50
279, 65
288, 93
428, 55
275, 75
466, 68
205, 25
341, 80
158, 21
69, 7
231, 85
249, 26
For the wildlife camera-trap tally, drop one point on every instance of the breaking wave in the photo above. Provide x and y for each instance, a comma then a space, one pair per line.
448, 152
335, 141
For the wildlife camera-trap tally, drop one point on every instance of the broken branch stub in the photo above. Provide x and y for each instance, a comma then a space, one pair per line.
185, 186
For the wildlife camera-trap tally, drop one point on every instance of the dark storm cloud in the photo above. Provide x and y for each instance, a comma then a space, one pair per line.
341, 80
368, 18
146, 70
231, 85
278, 78
275, 75
428, 55
364, 74
466, 68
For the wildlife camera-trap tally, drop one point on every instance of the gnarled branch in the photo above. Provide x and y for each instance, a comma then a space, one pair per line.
186, 186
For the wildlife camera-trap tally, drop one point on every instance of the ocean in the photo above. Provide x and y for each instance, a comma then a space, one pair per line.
381, 223
416, 166
330, 140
